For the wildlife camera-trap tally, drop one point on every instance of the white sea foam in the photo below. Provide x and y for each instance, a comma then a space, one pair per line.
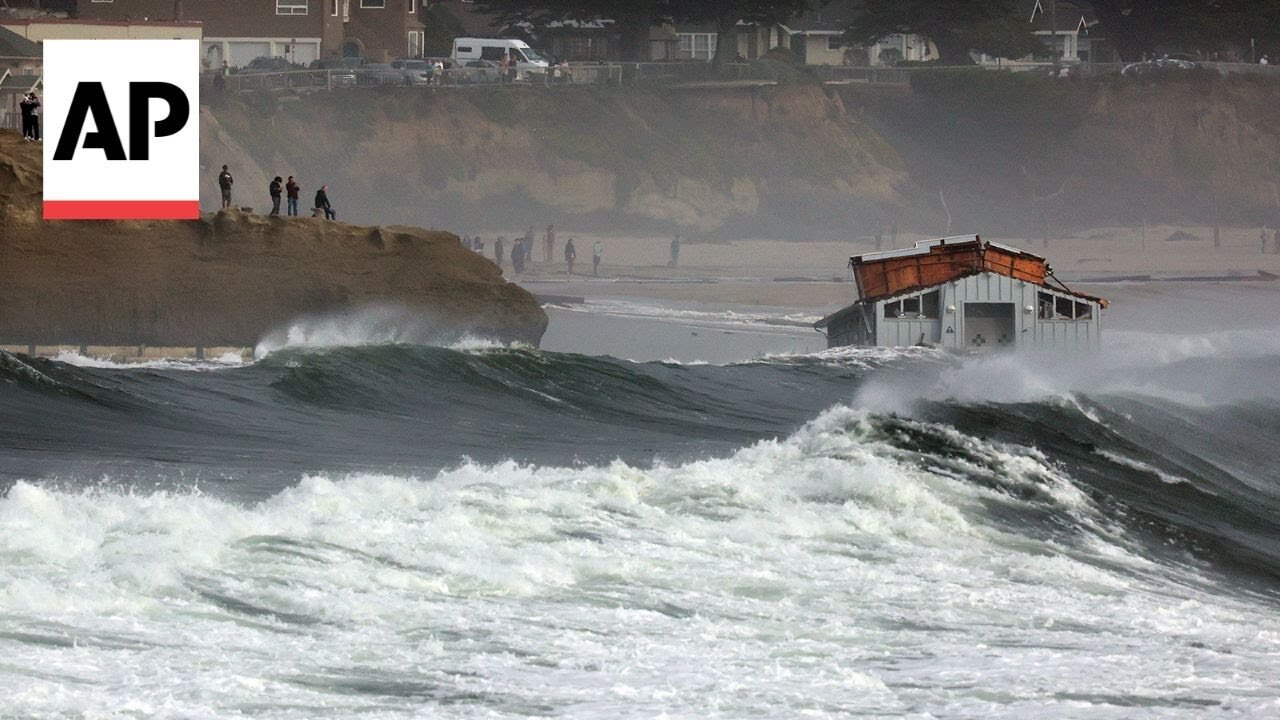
369, 326
825, 574
222, 362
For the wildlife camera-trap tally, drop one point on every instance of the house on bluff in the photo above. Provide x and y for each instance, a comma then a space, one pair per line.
966, 294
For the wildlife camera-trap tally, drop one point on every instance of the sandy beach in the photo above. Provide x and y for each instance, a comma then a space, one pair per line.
778, 273
742, 299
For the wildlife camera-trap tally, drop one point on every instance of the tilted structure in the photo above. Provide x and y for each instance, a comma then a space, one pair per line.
962, 293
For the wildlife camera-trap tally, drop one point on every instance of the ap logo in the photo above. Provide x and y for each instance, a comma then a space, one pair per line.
122, 130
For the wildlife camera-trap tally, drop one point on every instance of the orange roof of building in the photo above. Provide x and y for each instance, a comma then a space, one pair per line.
929, 263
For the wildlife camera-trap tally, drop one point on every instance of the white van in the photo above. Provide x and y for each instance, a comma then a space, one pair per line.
467, 49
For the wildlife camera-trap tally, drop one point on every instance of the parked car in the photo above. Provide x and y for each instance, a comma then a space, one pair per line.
379, 74
413, 71
477, 71
265, 65
334, 71
1164, 64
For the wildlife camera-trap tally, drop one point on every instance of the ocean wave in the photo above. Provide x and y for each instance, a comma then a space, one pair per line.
860, 563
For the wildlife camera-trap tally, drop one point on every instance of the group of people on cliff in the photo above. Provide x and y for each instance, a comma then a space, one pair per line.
522, 247
277, 189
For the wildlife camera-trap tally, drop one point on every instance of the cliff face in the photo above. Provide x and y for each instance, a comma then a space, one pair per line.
786, 160
230, 277
1007, 152
1027, 154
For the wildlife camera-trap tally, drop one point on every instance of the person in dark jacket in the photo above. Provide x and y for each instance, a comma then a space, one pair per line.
322, 202
275, 188
291, 189
517, 255
570, 254
224, 184
30, 118
497, 250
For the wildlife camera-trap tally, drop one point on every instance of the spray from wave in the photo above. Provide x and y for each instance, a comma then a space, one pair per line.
369, 326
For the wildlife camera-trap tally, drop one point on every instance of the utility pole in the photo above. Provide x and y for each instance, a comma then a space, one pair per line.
1053, 34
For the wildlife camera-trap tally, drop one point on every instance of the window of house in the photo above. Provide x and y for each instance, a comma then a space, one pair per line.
916, 307
697, 46
416, 41
102, 0
1045, 304
834, 42
373, 4
413, 6
291, 7
1055, 307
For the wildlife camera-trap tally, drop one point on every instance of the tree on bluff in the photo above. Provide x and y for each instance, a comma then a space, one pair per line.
994, 27
634, 18
1144, 27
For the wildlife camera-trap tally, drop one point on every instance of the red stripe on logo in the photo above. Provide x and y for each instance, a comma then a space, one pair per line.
121, 209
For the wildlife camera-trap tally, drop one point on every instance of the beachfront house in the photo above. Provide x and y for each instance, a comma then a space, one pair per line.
298, 30
962, 293
21, 63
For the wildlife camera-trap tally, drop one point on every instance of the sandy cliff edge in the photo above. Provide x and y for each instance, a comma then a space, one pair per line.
231, 277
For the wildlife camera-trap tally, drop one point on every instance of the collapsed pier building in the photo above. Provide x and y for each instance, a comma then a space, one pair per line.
962, 293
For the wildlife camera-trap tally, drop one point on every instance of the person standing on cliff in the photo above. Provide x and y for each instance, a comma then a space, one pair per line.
275, 189
497, 250
322, 203
291, 190
35, 118
28, 106
548, 243
224, 183
597, 252
570, 254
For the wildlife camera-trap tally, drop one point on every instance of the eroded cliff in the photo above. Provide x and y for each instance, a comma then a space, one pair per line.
1000, 152
231, 277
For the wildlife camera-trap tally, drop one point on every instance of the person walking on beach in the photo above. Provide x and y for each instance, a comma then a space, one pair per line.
497, 250
570, 254
291, 191
1263, 237
322, 203
675, 251
597, 251
275, 189
224, 183
528, 244
517, 255
548, 243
